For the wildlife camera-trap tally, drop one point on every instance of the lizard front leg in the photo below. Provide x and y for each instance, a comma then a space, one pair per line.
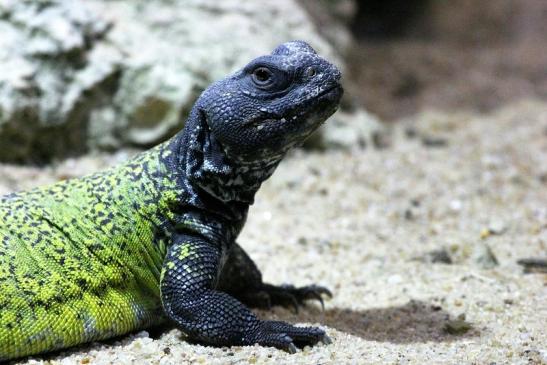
187, 285
241, 278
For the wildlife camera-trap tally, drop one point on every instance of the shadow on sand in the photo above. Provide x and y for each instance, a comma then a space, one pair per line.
414, 322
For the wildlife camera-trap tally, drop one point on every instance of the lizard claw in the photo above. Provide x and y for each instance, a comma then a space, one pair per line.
295, 303
326, 340
289, 295
287, 337
291, 349
320, 300
317, 289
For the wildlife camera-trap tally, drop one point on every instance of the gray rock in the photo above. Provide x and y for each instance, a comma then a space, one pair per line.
437, 256
346, 130
497, 227
52, 76
484, 257
333, 19
79, 75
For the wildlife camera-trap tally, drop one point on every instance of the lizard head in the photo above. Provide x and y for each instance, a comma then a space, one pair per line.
272, 104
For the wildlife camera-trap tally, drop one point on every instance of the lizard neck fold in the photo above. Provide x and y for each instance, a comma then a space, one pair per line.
207, 179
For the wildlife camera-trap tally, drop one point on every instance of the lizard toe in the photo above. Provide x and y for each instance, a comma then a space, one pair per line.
287, 337
291, 296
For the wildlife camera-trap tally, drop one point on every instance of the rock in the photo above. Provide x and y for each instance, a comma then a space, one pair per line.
438, 256
457, 327
484, 256
349, 129
429, 141
53, 74
497, 227
534, 265
333, 19
96, 74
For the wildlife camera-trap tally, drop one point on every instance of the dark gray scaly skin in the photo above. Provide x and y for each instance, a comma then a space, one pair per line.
238, 132
120, 250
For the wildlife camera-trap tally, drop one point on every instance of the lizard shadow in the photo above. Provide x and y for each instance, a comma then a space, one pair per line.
413, 322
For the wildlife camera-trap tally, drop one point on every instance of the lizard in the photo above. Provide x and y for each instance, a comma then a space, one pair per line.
154, 239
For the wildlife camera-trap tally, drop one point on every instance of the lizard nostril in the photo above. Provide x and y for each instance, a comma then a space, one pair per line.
310, 72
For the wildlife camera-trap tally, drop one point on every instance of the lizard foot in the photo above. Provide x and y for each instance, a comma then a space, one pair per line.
286, 296
287, 337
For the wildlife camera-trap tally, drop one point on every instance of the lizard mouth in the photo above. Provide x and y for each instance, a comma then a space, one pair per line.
332, 94
336, 89
325, 100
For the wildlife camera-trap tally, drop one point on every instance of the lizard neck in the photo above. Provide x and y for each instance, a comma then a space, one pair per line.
207, 179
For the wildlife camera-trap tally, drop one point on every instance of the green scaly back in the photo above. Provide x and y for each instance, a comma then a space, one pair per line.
102, 233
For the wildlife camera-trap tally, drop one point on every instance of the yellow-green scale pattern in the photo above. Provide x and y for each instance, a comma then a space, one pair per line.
81, 260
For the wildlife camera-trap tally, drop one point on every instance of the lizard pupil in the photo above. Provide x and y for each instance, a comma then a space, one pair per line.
262, 76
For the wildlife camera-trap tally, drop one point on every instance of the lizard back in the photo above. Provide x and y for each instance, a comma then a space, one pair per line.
80, 260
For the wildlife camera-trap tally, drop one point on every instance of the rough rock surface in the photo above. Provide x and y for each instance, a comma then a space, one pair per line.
52, 75
103, 74
361, 221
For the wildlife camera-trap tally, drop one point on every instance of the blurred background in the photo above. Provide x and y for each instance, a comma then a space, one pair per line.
87, 75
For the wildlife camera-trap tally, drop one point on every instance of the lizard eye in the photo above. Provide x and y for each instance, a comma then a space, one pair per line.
262, 76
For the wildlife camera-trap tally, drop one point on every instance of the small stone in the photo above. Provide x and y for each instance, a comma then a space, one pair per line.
497, 227
431, 141
485, 233
484, 257
439, 256
533, 265
457, 327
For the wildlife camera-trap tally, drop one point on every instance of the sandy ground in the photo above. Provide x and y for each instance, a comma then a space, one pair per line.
418, 242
